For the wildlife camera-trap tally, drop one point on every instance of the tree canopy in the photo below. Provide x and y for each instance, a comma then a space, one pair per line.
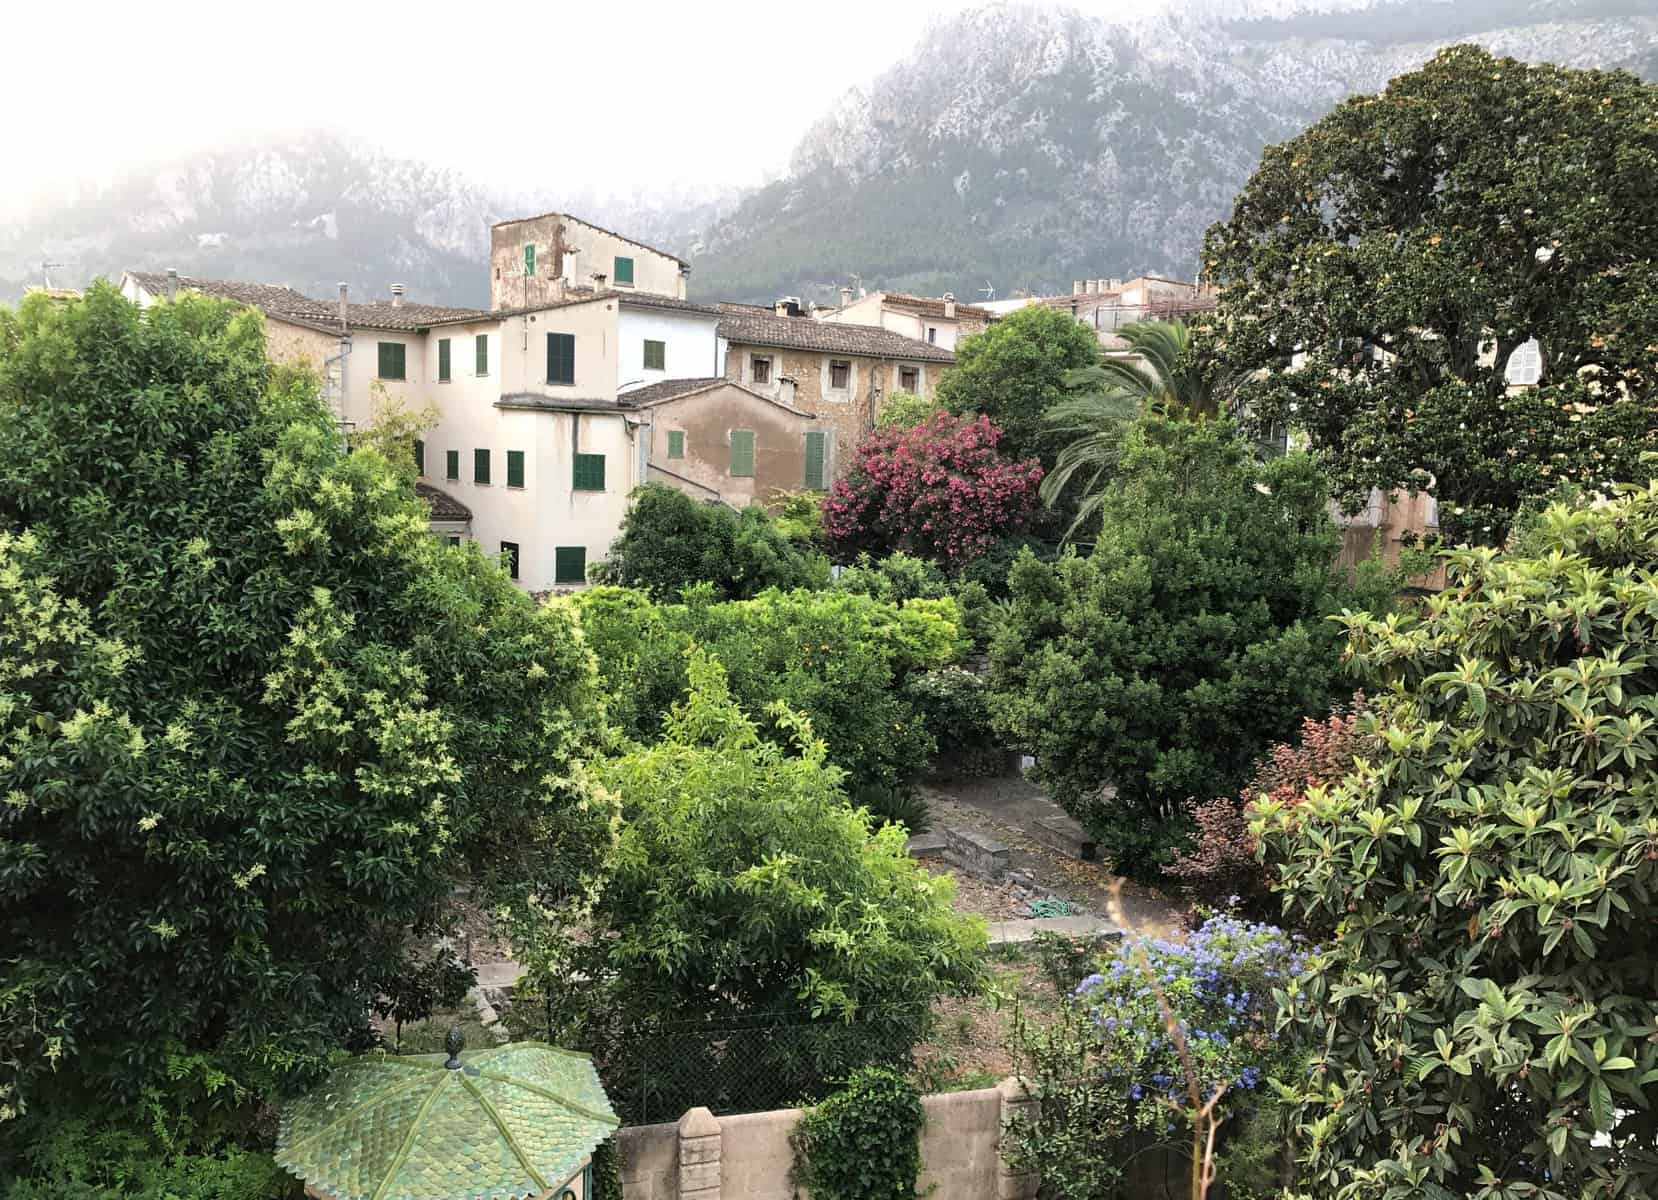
255, 721
1405, 247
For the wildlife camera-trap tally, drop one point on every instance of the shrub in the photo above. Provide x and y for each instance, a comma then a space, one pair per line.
952, 703
1225, 859
799, 517
895, 578
670, 541
1485, 1006
938, 490
904, 410
864, 1142
1112, 1076
1162, 666
256, 723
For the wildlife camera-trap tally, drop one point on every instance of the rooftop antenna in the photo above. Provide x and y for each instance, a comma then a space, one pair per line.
46, 269
988, 291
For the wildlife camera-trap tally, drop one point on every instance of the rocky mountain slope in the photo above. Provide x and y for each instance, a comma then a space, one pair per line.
1026, 145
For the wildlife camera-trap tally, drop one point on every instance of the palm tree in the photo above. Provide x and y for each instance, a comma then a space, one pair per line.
1156, 375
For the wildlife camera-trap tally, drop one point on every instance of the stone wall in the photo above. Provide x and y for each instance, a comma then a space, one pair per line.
750, 1157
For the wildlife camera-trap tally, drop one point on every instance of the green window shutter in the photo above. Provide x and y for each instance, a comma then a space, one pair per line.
815, 453
480, 345
529, 259
742, 452
515, 468
624, 270
391, 360
452, 464
561, 358
587, 473
480, 466
656, 355
570, 564
420, 457
509, 551
454, 539
443, 360
676, 443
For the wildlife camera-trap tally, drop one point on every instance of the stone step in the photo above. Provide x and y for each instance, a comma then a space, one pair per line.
1004, 932
928, 845
1066, 836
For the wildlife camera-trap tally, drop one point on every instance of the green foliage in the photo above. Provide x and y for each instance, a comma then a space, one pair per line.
838, 658
1485, 1007
1164, 664
255, 722
799, 517
864, 1142
1407, 243
1014, 373
894, 579
902, 410
953, 703
744, 883
670, 541
99, 1158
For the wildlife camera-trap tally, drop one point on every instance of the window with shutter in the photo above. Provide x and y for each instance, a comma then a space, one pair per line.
840, 374
392, 362
759, 370
561, 358
480, 354
454, 539
624, 271
587, 473
742, 452
529, 259
480, 466
515, 468
452, 465
443, 360
656, 355
509, 551
815, 455
676, 443
570, 564
420, 457
908, 378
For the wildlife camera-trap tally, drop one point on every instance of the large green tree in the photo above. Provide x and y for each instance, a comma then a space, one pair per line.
1159, 667
1014, 373
1405, 246
1485, 1010
255, 721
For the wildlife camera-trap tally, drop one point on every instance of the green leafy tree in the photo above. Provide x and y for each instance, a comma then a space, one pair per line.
1161, 666
1405, 246
670, 541
1484, 1012
1014, 373
903, 410
255, 721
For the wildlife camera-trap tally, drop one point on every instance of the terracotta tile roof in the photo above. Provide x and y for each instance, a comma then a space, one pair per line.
673, 389
743, 325
933, 307
536, 402
444, 506
621, 237
289, 305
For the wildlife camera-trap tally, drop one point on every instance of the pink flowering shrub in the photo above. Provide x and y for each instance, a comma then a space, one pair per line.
937, 490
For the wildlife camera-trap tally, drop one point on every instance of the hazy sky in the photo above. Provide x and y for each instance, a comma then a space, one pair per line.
630, 93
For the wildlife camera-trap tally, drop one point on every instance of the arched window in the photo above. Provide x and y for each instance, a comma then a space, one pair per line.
1525, 365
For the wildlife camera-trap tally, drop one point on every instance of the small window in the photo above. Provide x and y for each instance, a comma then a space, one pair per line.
480, 466
676, 443
587, 473
392, 361
452, 465
840, 374
932, 334
570, 564
742, 452
624, 272
561, 358
420, 457
480, 354
656, 355
509, 551
759, 370
443, 360
816, 448
454, 539
529, 259
909, 379
515, 468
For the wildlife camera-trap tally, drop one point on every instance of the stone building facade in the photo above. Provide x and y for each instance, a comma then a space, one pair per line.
538, 260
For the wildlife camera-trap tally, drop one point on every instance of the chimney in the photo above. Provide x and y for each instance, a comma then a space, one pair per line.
846, 296
1092, 287
397, 295
1078, 286
343, 321
785, 390
172, 282
949, 306
599, 280
781, 308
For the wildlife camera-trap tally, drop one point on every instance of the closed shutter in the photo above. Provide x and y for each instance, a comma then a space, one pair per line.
587, 473
515, 468
443, 360
561, 358
676, 443
624, 270
480, 466
420, 457
452, 464
742, 452
391, 360
656, 355
529, 259
815, 449
480, 351
570, 564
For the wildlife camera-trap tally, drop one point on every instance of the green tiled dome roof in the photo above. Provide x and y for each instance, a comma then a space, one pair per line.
510, 1122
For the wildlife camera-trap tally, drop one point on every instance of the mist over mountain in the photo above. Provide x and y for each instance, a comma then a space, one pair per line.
1017, 146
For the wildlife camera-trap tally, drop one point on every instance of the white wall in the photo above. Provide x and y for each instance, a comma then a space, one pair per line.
692, 347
